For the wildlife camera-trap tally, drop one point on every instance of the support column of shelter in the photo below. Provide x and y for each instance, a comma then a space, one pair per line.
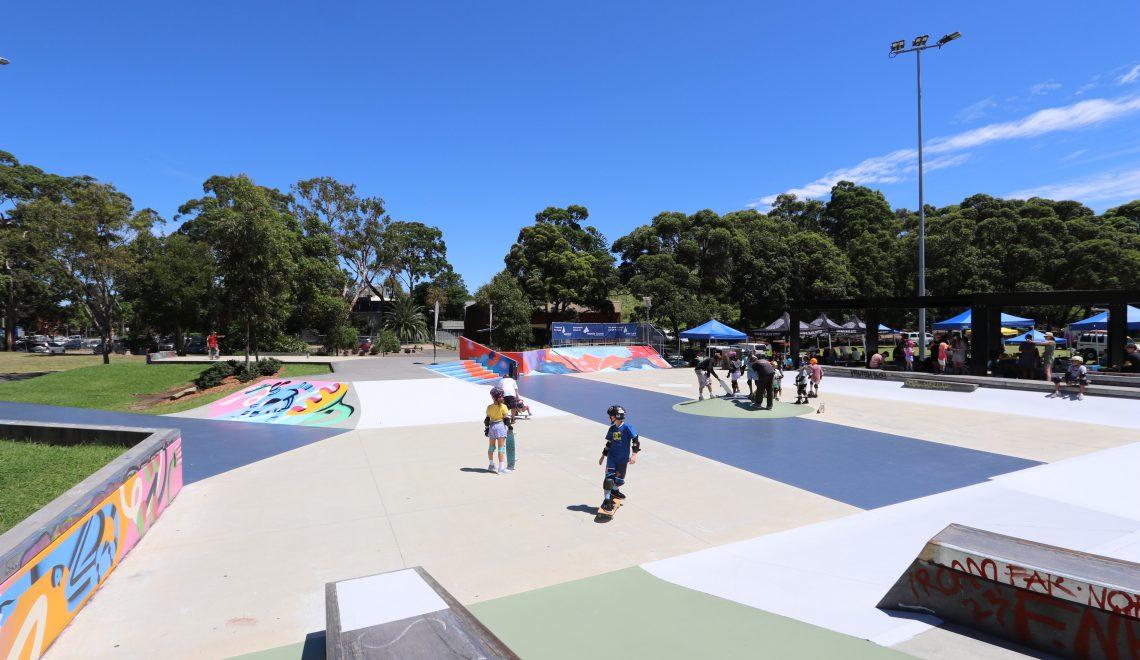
994, 339
1117, 331
794, 336
980, 337
872, 335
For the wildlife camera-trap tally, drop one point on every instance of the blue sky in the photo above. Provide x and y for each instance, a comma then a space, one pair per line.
473, 116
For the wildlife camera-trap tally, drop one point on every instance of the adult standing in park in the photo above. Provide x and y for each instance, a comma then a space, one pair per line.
706, 370
1049, 346
1027, 360
212, 345
766, 374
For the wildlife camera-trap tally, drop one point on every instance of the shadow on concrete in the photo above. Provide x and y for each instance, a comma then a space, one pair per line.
583, 508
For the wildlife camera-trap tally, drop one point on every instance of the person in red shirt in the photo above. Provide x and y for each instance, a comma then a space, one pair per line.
212, 345
943, 350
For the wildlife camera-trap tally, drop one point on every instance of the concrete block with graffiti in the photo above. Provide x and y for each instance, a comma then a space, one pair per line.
1060, 601
54, 561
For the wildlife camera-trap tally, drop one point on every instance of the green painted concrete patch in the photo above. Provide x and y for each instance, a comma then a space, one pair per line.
632, 614
741, 408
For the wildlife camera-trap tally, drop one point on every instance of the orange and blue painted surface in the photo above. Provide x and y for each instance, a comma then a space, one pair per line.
64, 567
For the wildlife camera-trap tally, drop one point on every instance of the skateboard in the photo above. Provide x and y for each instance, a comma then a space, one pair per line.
603, 517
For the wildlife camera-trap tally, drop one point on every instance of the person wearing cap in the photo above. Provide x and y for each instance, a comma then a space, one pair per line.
1050, 345
1076, 374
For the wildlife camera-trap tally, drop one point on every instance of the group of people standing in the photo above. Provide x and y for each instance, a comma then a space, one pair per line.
763, 376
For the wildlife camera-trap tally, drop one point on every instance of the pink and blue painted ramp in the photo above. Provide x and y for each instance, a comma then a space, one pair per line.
863, 468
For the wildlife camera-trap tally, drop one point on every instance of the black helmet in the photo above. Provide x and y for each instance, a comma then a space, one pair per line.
616, 411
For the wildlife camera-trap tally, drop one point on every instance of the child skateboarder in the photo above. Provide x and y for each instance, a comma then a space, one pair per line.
622, 445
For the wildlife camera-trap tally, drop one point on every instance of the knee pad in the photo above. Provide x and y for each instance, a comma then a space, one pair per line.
608, 483
491, 446
502, 449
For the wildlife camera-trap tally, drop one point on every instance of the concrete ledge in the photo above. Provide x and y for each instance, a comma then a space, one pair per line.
1053, 599
1097, 388
403, 614
52, 562
940, 385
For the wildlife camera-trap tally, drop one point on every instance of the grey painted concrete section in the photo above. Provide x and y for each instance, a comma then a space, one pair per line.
392, 367
448, 633
1053, 599
77, 501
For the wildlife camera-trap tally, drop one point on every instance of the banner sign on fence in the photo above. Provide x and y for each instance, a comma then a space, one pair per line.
597, 332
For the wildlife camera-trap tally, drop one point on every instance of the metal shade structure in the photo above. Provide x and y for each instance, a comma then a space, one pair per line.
712, 330
965, 321
1100, 321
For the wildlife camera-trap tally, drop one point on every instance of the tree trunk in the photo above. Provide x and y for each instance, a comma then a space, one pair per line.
179, 345
247, 340
106, 346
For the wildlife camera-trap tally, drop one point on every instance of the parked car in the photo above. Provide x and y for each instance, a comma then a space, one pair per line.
196, 345
166, 344
1091, 345
74, 343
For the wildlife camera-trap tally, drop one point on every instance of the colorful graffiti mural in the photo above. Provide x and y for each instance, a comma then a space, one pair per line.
300, 402
63, 571
489, 359
586, 359
564, 360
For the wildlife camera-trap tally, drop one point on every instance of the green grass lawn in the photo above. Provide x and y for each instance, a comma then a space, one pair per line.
118, 385
18, 362
35, 474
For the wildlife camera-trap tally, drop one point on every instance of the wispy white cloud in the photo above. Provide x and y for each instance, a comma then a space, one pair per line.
1130, 76
1076, 154
1043, 88
891, 167
975, 111
939, 163
1104, 187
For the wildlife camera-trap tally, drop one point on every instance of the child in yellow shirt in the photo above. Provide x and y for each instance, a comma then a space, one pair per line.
495, 426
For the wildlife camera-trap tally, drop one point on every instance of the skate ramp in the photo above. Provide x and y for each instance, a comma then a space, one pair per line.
417, 402
1053, 599
299, 402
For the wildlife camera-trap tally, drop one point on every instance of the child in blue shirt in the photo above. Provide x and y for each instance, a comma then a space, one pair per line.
622, 445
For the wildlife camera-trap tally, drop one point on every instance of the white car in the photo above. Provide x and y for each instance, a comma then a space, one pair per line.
1091, 345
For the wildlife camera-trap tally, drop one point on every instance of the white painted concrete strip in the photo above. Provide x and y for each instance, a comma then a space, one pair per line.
378, 599
422, 401
1097, 481
833, 574
1108, 411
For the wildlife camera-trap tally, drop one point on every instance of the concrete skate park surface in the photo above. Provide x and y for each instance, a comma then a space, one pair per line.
796, 527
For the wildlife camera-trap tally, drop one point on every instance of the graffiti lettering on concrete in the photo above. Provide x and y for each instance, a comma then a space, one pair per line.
1050, 612
44, 595
300, 402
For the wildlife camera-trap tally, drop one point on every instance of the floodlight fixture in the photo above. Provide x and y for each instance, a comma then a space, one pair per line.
948, 38
920, 41
896, 46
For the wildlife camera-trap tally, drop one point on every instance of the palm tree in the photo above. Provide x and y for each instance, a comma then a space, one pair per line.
406, 319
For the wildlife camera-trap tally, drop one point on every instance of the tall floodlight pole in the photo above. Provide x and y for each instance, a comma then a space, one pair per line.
917, 46
648, 301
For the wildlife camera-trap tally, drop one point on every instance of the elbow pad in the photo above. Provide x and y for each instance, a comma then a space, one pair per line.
606, 450
487, 421
636, 444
